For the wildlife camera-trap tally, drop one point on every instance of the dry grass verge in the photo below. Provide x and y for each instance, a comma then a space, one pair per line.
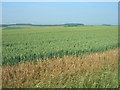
31, 74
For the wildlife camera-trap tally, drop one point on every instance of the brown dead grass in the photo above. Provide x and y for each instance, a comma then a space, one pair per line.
29, 72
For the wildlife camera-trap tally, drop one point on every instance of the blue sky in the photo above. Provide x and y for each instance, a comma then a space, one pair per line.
89, 13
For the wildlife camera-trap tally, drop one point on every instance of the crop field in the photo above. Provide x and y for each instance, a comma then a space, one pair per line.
60, 57
33, 43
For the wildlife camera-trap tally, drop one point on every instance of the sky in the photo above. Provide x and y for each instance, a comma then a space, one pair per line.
88, 13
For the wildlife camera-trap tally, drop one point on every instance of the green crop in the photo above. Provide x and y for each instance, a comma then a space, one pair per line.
34, 43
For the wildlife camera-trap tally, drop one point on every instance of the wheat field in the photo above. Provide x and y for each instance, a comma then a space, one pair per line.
90, 71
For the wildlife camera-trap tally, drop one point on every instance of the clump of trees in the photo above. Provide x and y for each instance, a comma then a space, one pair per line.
46, 25
24, 24
4, 25
106, 25
73, 25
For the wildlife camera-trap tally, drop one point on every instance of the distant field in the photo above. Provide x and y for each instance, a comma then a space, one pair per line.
33, 43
